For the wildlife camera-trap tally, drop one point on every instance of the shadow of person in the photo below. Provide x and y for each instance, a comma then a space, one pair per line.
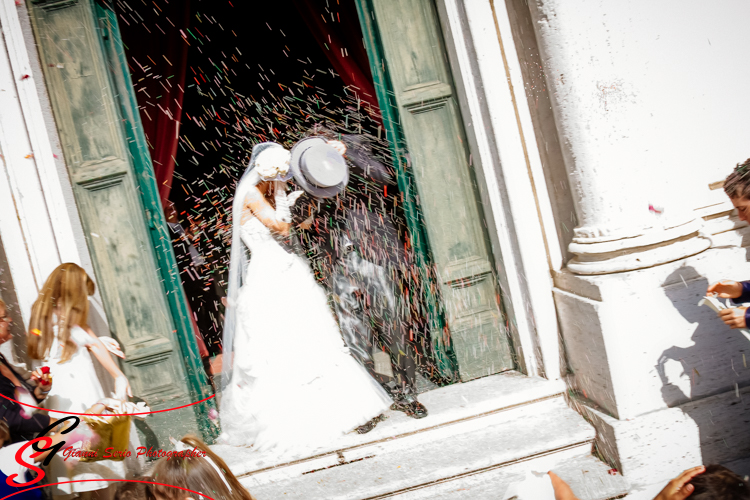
704, 379
148, 437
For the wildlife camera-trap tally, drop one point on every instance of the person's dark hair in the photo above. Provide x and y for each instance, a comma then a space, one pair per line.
719, 483
737, 184
321, 130
197, 474
133, 491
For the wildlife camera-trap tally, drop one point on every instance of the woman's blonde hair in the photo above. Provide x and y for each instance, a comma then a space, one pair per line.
66, 295
197, 474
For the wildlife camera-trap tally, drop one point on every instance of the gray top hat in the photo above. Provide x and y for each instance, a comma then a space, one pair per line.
318, 168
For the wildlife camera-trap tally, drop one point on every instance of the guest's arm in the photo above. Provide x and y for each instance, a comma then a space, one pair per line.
20, 426
739, 292
122, 386
41, 383
363, 162
680, 488
745, 295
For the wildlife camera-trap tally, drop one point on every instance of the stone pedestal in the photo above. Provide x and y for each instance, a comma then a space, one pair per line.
656, 370
640, 348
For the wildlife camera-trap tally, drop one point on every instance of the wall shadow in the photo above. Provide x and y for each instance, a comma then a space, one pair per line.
705, 380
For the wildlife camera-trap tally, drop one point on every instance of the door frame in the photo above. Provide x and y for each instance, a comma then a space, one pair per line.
157, 347
487, 72
442, 348
392, 113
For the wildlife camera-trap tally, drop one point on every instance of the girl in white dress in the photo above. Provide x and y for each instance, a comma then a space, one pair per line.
289, 382
59, 336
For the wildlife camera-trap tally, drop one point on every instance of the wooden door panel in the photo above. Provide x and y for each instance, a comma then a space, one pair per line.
118, 241
446, 182
75, 75
429, 116
112, 214
414, 65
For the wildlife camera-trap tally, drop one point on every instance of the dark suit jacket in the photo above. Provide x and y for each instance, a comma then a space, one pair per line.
370, 225
363, 214
21, 429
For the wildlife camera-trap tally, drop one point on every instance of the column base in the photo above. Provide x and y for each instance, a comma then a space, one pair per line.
650, 249
657, 446
638, 342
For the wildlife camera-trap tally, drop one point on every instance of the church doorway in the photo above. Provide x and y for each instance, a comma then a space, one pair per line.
213, 78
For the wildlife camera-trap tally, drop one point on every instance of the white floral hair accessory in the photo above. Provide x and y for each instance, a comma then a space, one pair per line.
273, 163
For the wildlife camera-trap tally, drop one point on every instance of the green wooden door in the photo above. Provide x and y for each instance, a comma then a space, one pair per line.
417, 98
93, 103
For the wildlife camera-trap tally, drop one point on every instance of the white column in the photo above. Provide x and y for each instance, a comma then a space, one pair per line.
623, 104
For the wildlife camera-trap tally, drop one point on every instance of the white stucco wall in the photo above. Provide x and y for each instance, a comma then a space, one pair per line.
650, 97
39, 223
650, 103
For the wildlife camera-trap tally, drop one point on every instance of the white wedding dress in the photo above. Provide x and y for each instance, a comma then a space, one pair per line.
294, 386
76, 388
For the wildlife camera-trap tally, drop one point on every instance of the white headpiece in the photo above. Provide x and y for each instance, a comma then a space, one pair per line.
273, 164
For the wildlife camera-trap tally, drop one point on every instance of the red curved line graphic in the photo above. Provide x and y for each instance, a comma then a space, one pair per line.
73, 413
112, 480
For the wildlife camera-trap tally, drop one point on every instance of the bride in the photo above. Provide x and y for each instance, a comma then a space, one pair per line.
288, 380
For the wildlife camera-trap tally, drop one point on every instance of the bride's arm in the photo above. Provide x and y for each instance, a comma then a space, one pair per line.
256, 204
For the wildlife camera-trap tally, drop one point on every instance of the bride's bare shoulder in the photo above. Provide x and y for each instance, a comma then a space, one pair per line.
253, 203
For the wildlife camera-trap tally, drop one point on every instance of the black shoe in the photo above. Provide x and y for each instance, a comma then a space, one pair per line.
413, 408
364, 429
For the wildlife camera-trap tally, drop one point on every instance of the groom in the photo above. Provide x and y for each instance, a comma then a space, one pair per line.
363, 253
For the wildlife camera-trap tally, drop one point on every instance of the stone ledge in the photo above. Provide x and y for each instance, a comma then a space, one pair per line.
447, 406
547, 428
588, 477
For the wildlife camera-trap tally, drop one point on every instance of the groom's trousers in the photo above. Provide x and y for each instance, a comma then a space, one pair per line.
370, 317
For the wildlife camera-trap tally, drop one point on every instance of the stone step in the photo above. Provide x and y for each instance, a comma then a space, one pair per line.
590, 479
447, 406
543, 429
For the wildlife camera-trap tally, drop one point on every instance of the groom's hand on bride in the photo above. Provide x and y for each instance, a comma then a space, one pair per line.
307, 223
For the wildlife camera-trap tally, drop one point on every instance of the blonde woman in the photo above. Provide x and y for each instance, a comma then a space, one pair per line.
60, 337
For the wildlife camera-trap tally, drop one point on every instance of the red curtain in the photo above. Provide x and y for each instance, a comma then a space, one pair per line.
157, 57
338, 33
157, 53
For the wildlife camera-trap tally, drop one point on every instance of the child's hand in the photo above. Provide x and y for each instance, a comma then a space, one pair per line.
112, 346
680, 488
42, 377
562, 489
122, 388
